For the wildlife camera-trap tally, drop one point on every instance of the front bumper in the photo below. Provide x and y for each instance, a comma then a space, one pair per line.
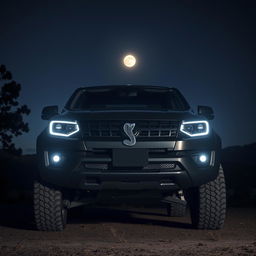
73, 171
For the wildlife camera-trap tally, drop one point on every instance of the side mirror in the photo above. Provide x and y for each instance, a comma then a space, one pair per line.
206, 112
49, 111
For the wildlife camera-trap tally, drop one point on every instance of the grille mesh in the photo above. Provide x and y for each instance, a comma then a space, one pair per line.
96, 166
105, 166
160, 166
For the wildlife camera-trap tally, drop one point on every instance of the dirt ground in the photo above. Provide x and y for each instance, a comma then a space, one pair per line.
125, 231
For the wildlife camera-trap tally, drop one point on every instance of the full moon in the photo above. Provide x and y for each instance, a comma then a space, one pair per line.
129, 61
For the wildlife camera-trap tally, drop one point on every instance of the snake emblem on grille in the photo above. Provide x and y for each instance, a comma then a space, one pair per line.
128, 129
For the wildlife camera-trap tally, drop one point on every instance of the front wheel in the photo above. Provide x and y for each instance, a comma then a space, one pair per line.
49, 210
208, 203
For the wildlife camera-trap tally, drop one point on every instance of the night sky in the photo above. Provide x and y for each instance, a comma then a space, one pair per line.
206, 49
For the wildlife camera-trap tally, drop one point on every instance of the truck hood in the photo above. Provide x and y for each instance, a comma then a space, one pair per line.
126, 115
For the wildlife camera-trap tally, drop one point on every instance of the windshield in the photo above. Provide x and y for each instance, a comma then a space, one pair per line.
127, 99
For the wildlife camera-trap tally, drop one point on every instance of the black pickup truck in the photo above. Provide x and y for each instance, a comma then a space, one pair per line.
129, 138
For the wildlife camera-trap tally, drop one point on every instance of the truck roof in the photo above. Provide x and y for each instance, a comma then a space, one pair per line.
159, 87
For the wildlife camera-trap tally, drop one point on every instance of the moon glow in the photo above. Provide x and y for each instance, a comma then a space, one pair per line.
129, 61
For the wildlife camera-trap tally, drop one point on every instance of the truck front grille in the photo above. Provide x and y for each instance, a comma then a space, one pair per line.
143, 129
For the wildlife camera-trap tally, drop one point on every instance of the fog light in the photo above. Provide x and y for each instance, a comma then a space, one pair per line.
203, 158
56, 158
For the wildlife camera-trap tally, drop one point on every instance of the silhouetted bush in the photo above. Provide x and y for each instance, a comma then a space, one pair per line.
11, 113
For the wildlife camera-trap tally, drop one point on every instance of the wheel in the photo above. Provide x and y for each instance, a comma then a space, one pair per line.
208, 203
49, 210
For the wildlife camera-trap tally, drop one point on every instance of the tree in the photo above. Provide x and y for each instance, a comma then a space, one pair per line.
11, 112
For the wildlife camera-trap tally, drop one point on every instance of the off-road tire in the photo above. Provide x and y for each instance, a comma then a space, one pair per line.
208, 204
49, 210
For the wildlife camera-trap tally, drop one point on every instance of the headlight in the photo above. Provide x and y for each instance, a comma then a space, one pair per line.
195, 128
63, 128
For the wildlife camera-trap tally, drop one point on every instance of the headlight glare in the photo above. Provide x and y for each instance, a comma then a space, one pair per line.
63, 128
195, 128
